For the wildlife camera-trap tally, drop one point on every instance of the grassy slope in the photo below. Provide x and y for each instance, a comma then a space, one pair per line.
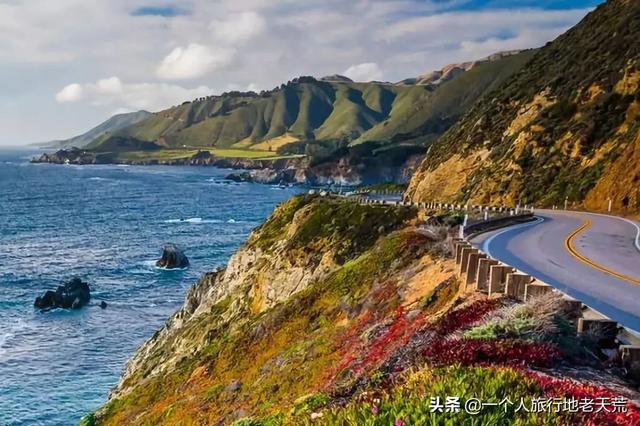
426, 114
322, 110
556, 127
183, 153
365, 343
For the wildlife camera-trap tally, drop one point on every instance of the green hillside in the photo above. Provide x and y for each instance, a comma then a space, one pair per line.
115, 123
566, 126
329, 109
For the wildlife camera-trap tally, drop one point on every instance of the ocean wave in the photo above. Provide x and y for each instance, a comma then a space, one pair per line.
15, 328
151, 265
222, 181
193, 220
3, 340
171, 269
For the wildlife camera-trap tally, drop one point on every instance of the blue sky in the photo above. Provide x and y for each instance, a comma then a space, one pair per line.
67, 65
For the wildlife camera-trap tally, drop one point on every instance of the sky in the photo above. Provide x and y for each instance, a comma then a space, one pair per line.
67, 65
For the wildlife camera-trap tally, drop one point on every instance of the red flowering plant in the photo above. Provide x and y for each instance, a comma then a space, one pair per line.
505, 352
602, 402
465, 317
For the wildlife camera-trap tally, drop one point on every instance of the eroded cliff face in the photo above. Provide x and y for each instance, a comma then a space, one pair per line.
565, 126
303, 244
337, 313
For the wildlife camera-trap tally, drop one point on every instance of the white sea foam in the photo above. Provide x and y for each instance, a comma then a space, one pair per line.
3, 340
192, 220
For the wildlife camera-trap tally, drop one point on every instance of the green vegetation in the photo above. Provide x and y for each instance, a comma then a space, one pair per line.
348, 227
115, 123
184, 153
409, 402
337, 112
269, 352
535, 320
381, 187
369, 340
563, 121
88, 420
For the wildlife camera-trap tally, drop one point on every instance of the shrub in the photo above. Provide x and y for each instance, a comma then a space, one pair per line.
507, 352
465, 317
309, 403
88, 420
535, 320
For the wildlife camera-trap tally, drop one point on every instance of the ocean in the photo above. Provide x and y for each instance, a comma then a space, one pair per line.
107, 225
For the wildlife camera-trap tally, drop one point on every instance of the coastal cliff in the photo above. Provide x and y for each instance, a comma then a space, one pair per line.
334, 312
567, 127
287, 170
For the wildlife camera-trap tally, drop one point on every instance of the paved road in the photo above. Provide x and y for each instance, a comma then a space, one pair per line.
593, 258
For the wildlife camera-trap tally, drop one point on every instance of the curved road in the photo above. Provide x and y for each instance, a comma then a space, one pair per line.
593, 258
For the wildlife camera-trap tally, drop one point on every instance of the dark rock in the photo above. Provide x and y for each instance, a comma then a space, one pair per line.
239, 177
71, 295
103, 304
234, 386
172, 258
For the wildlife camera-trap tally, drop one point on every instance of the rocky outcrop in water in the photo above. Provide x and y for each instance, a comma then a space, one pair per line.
71, 295
172, 258
239, 177
75, 156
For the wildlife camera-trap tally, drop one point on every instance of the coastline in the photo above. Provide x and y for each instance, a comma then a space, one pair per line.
276, 170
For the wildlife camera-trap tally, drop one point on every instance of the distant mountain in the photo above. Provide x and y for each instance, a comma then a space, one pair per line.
332, 108
113, 124
450, 71
566, 126
337, 78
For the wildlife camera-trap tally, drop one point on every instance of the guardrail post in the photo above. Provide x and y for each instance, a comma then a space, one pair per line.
472, 268
630, 356
516, 285
605, 331
536, 289
464, 259
497, 277
572, 308
458, 250
482, 279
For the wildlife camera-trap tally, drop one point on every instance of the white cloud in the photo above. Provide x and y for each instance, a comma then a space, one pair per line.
218, 44
70, 93
193, 61
114, 93
368, 71
237, 28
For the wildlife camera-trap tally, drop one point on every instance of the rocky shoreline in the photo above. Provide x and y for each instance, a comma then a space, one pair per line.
294, 170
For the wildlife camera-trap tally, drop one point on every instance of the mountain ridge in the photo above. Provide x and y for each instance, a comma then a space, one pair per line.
330, 108
112, 124
562, 128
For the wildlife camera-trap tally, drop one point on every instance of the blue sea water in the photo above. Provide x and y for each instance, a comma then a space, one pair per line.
105, 224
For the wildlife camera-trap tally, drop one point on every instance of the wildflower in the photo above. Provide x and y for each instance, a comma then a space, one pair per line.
315, 416
375, 409
399, 422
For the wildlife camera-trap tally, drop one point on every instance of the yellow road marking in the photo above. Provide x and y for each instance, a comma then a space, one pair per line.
569, 245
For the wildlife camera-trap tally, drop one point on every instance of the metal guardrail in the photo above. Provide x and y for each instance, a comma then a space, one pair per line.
487, 274
474, 262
